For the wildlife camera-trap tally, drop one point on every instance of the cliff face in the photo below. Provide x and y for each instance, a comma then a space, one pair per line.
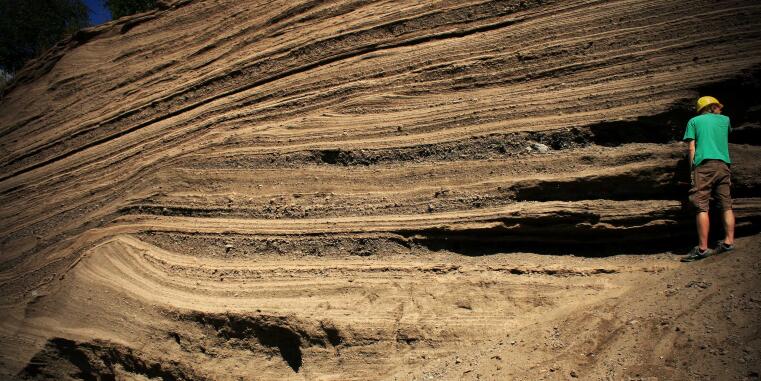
346, 188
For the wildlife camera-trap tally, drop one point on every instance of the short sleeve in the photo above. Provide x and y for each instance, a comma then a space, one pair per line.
690, 133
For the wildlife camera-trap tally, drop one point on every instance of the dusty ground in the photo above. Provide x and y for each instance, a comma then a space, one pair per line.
131, 307
378, 190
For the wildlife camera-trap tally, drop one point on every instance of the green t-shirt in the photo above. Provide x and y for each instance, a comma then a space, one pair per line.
711, 134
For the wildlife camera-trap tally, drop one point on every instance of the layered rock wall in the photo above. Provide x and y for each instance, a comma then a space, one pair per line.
176, 141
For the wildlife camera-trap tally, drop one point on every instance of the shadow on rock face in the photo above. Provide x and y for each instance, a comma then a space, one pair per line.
98, 360
741, 97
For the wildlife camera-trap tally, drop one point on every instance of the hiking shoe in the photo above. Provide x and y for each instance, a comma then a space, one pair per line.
722, 247
695, 254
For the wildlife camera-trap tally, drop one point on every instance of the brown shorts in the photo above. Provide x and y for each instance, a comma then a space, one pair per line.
711, 178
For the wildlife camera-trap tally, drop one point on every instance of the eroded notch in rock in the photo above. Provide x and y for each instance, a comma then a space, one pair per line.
286, 340
285, 333
62, 359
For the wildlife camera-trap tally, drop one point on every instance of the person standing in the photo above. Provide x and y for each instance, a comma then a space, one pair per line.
708, 138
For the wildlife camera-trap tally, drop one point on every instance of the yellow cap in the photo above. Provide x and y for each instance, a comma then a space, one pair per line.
705, 101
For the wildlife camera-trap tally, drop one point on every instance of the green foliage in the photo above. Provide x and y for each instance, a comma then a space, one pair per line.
29, 27
120, 8
5, 79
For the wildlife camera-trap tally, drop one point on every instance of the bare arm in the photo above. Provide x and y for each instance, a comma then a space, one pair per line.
692, 152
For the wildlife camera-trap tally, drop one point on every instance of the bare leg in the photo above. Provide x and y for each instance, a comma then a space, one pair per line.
729, 227
703, 224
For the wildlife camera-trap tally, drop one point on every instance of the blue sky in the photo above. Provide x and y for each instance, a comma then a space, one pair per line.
98, 12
